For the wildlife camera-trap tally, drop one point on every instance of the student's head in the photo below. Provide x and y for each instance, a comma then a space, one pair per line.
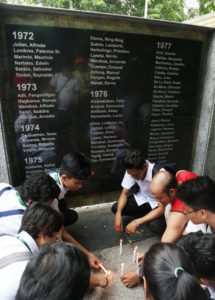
39, 187
75, 168
59, 272
198, 196
168, 274
42, 223
163, 187
135, 163
201, 250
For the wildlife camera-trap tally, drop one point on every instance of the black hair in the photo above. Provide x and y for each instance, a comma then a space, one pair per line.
168, 273
171, 183
39, 187
198, 193
133, 158
59, 272
201, 250
41, 218
76, 165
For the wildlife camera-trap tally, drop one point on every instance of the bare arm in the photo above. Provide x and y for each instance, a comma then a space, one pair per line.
94, 262
175, 226
153, 214
123, 198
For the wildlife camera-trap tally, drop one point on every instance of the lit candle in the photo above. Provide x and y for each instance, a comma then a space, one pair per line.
103, 268
134, 254
120, 246
122, 269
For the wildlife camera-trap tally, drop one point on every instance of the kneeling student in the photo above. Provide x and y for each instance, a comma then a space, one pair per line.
169, 274
40, 225
201, 249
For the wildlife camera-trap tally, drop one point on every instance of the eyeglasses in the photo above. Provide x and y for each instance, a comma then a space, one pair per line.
185, 212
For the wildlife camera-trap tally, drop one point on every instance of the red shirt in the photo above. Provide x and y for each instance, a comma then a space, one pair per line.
181, 176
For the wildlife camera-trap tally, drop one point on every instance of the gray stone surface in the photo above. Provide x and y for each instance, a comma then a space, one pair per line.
111, 259
95, 228
95, 231
210, 149
204, 151
4, 173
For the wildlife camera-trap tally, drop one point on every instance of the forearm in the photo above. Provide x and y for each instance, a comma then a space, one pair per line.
122, 201
153, 214
70, 239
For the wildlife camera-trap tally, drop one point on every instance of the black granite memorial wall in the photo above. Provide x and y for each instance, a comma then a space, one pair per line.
97, 92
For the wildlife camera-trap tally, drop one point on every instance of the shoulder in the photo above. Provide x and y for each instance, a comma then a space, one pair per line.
177, 206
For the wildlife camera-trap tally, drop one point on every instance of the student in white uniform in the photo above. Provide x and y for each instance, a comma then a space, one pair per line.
74, 170
201, 250
198, 197
39, 187
141, 205
40, 225
59, 272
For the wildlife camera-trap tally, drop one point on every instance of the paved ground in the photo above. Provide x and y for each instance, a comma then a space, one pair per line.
112, 260
95, 231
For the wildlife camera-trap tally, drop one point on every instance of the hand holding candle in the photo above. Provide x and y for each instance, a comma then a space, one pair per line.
103, 268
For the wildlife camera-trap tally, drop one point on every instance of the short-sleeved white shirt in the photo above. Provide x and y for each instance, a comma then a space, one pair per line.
191, 227
11, 274
144, 195
211, 290
9, 201
66, 88
56, 176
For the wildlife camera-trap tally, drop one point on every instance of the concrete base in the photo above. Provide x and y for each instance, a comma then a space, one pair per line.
111, 259
95, 231
95, 228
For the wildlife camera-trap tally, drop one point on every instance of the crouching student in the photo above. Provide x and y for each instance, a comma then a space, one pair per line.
140, 206
40, 225
201, 250
168, 275
60, 272
74, 170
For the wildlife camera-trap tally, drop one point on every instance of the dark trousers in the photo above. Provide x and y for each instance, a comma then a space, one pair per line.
134, 211
70, 216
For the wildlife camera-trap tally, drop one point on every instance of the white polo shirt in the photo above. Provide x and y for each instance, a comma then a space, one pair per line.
10, 200
56, 176
144, 195
11, 274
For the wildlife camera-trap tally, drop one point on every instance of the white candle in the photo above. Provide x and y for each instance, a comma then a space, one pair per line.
134, 254
137, 258
103, 268
122, 269
120, 246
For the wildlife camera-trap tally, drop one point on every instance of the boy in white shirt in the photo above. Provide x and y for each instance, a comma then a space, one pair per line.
141, 206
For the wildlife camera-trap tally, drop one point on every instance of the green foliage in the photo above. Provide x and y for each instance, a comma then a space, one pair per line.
167, 10
172, 10
206, 6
